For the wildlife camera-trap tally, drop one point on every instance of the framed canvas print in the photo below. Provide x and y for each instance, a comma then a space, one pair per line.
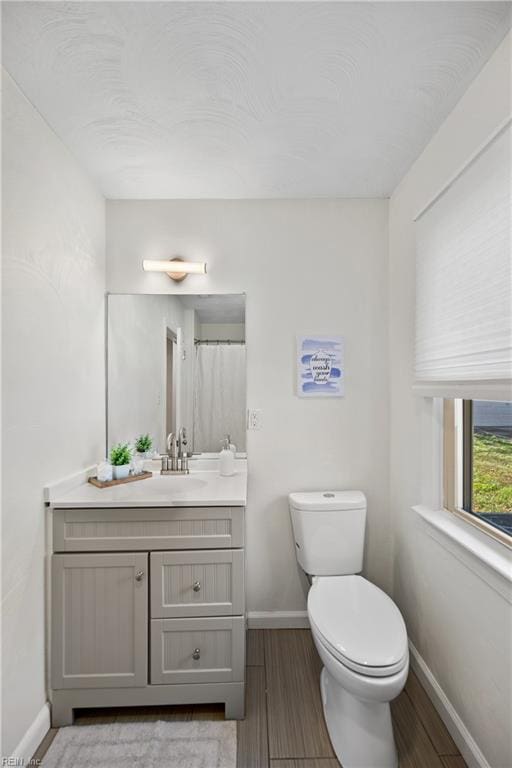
320, 370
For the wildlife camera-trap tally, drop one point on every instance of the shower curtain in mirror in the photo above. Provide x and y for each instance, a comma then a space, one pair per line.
219, 396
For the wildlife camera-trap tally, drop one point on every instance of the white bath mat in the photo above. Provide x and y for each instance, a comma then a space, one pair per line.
198, 744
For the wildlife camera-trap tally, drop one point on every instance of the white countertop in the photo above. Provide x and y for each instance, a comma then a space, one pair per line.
198, 489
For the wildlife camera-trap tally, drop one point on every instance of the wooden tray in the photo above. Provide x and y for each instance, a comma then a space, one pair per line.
129, 479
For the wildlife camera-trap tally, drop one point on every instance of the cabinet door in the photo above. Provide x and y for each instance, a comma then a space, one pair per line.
204, 583
99, 620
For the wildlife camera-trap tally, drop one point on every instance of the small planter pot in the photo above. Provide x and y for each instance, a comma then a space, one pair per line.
105, 473
122, 471
138, 463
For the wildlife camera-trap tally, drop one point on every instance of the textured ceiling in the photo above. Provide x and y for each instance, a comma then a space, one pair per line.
235, 99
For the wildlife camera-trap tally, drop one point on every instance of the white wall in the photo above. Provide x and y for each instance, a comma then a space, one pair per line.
53, 375
459, 623
137, 365
261, 247
223, 331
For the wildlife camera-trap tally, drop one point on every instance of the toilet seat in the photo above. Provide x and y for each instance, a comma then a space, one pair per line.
358, 624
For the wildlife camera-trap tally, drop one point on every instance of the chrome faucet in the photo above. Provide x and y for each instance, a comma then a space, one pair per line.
172, 451
176, 458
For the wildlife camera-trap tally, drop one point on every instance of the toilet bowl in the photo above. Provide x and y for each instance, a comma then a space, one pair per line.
361, 639
357, 629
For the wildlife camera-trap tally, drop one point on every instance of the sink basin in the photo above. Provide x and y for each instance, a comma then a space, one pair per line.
170, 485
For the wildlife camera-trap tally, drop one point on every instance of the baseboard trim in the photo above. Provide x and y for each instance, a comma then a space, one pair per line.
468, 747
32, 738
277, 620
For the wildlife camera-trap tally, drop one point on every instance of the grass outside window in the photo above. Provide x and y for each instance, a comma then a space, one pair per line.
478, 464
492, 473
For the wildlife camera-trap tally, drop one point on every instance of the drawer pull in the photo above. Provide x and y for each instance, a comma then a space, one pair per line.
139, 575
197, 654
197, 586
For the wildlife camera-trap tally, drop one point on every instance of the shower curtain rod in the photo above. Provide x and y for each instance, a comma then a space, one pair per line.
218, 341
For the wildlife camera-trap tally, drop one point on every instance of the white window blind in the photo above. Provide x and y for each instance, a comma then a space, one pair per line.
464, 282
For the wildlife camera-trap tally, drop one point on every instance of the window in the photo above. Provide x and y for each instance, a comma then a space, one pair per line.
478, 463
463, 335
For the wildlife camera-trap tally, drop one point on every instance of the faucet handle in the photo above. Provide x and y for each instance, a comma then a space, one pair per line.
182, 442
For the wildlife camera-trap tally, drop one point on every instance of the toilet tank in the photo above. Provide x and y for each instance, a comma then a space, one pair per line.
328, 527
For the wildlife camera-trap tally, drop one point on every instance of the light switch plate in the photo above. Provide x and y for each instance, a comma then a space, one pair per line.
254, 418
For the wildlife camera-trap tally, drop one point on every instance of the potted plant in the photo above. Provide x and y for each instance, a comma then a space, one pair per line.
143, 445
120, 458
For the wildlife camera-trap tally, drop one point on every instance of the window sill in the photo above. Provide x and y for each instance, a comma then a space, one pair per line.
483, 555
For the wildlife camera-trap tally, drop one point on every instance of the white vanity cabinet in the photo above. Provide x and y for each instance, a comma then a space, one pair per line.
147, 607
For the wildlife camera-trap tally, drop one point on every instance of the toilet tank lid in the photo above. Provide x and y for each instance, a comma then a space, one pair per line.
323, 500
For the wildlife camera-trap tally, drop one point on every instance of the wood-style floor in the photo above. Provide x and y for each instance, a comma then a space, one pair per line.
284, 725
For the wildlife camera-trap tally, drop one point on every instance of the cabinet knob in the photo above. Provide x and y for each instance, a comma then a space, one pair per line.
197, 586
139, 575
197, 654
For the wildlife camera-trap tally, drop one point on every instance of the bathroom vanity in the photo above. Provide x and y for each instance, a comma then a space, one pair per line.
147, 602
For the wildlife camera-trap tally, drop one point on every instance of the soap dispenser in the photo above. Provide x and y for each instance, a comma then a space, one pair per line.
232, 446
226, 460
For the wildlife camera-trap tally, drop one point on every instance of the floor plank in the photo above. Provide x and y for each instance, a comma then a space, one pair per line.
414, 746
99, 716
296, 726
208, 712
44, 746
104, 716
436, 729
453, 761
252, 732
309, 762
255, 648
174, 713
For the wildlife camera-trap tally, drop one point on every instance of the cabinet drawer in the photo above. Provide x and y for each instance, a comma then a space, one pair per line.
204, 583
197, 650
104, 530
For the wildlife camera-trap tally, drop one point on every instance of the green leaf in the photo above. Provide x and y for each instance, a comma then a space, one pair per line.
120, 454
143, 443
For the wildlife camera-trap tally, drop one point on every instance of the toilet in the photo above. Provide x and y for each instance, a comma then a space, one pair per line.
358, 630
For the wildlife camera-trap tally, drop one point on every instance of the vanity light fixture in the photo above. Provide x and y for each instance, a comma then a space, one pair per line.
176, 268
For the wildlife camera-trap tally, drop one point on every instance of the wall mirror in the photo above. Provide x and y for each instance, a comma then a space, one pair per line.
176, 361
